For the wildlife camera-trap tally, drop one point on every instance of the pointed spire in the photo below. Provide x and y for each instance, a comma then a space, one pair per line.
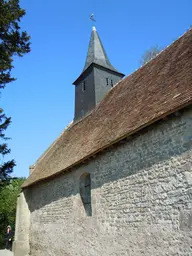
96, 52
96, 79
94, 28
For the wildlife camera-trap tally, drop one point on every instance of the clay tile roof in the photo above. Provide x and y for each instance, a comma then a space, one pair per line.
161, 87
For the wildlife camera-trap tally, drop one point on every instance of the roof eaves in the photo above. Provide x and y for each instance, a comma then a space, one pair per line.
86, 71
186, 104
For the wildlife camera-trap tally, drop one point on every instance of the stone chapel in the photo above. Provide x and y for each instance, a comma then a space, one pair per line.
118, 180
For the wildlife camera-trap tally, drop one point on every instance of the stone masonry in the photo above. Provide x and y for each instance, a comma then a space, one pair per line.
21, 243
141, 196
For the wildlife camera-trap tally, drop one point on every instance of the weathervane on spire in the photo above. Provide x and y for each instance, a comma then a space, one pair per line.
92, 18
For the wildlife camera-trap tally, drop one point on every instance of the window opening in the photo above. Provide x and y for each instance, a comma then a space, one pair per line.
85, 192
83, 86
111, 83
107, 81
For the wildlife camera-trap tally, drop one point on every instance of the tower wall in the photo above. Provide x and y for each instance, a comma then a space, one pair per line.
104, 80
84, 99
97, 78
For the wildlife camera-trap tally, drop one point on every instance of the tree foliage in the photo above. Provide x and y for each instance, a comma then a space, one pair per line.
150, 54
13, 42
8, 202
6, 167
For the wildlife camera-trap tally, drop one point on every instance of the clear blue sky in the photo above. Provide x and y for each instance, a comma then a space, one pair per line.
41, 101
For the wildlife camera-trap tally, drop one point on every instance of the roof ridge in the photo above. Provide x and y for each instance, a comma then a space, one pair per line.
164, 49
154, 91
52, 144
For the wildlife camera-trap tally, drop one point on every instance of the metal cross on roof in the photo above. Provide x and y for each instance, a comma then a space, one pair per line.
92, 18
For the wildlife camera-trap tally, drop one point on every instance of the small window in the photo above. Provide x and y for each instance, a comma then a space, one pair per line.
85, 192
111, 83
107, 81
83, 86
82, 113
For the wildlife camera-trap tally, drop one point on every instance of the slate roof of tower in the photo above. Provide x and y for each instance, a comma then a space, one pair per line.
159, 88
96, 54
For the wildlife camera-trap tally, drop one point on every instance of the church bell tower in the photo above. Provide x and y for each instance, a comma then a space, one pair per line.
97, 78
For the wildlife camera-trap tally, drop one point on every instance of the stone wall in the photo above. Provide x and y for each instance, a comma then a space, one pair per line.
21, 243
141, 199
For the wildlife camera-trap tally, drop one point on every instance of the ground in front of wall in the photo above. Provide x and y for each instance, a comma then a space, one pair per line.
6, 253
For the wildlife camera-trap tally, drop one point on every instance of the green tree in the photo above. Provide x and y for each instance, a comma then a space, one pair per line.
8, 203
13, 42
150, 54
6, 167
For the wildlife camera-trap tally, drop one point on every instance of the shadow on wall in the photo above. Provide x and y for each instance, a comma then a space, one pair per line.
140, 147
